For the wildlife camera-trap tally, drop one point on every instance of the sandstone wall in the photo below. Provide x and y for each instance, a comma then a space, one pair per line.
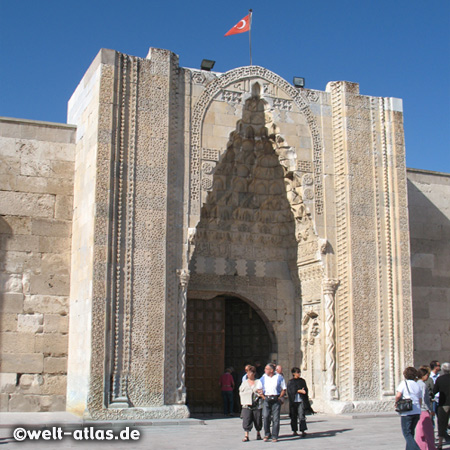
36, 183
429, 221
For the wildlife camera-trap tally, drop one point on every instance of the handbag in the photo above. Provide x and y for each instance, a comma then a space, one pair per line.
404, 404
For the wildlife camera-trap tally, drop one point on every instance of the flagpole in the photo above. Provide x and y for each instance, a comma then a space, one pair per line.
250, 35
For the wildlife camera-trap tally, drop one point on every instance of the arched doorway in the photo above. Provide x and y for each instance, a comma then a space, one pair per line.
221, 332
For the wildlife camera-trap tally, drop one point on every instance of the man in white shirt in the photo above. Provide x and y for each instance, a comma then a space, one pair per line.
273, 390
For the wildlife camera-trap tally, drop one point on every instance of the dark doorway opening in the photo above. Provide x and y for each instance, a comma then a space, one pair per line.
222, 332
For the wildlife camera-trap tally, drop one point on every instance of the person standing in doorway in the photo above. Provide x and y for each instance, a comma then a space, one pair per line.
273, 390
259, 369
226, 384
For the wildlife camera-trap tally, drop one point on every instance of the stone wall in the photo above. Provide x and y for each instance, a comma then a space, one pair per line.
36, 183
83, 110
429, 221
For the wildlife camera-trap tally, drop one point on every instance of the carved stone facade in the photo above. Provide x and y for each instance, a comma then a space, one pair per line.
240, 183
192, 184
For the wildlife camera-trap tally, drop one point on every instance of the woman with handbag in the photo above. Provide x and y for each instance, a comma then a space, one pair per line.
408, 401
250, 393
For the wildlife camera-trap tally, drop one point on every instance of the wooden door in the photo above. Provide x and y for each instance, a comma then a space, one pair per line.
205, 354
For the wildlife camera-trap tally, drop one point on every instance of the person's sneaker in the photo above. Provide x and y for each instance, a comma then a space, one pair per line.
294, 433
274, 440
303, 434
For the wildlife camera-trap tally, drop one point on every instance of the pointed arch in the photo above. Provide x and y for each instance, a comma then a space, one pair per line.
209, 94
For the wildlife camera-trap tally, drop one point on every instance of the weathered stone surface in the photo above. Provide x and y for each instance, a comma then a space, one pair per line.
53, 402
46, 304
11, 302
43, 384
11, 283
15, 225
8, 321
18, 342
27, 204
30, 323
19, 262
21, 362
51, 227
8, 382
55, 364
64, 207
50, 244
54, 344
4, 402
31, 383
429, 218
24, 403
37, 171
55, 323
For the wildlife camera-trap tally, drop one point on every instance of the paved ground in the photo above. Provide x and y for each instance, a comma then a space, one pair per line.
325, 432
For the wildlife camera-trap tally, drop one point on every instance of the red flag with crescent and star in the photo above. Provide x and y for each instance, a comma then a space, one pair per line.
242, 26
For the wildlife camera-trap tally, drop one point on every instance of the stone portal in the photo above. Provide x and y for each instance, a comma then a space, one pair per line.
234, 184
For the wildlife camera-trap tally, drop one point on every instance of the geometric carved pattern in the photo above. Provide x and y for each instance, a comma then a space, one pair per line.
122, 247
342, 300
210, 154
312, 96
216, 86
388, 240
174, 235
131, 207
304, 166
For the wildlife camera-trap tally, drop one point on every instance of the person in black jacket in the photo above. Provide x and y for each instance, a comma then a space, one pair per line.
442, 386
298, 402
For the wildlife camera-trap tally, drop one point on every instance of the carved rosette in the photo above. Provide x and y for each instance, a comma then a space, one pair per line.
329, 289
183, 275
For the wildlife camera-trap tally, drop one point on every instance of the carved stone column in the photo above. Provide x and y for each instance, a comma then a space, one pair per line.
183, 275
329, 290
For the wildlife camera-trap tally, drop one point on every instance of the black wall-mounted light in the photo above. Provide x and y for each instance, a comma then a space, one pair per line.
299, 82
207, 64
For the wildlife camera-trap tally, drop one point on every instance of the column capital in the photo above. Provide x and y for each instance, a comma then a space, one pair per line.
329, 285
183, 275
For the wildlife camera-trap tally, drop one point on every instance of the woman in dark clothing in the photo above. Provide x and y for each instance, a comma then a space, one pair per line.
298, 402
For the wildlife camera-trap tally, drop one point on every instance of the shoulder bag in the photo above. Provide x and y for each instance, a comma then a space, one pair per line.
404, 404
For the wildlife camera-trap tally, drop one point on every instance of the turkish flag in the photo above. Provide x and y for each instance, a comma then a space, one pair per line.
242, 26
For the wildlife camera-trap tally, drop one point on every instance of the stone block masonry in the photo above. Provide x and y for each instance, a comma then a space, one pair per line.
36, 184
429, 218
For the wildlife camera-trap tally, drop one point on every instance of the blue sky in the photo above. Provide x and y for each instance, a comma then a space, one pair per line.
392, 48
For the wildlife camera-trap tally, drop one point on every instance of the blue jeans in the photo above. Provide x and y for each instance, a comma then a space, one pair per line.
271, 411
408, 427
227, 397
